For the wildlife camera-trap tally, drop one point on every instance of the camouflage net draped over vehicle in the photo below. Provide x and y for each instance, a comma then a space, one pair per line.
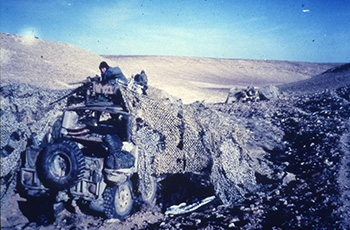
173, 138
177, 138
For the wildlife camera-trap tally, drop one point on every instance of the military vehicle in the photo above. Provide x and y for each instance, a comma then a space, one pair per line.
88, 156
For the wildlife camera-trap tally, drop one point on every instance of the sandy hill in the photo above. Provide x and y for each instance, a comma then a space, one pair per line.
53, 64
331, 79
44, 63
210, 79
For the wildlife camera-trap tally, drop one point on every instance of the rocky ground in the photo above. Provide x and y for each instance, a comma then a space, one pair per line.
314, 191
316, 141
313, 159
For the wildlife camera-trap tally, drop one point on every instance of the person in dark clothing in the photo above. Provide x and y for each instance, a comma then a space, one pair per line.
141, 81
111, 74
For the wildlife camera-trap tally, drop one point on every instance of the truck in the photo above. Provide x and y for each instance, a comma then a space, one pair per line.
88, 156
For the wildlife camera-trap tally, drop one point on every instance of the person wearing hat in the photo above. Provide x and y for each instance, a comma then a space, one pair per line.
111, 74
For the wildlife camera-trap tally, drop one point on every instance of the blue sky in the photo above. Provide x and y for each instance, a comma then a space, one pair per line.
295, 30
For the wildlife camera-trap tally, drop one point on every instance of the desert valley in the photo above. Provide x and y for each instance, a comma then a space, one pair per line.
268, 162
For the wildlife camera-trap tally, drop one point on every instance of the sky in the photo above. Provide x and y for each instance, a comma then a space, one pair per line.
293, 30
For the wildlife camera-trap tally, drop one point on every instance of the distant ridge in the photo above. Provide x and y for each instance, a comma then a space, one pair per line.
331, 79
210, 79
340, 68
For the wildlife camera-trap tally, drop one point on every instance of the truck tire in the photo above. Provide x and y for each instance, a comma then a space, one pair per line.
60, 165
118, 200
148, 187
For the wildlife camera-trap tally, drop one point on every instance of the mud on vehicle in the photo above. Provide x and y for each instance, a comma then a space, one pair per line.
88, 156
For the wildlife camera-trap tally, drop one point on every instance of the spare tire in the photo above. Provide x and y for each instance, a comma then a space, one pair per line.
148, 188
60, 165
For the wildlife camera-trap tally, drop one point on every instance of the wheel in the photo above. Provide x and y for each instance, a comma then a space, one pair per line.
60, 165
148, 188
118, 200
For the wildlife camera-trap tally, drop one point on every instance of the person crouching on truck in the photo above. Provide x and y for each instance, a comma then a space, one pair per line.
111, 74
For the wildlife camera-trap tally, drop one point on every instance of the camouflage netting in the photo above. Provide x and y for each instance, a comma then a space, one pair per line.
177, 138
174, 138
24, 110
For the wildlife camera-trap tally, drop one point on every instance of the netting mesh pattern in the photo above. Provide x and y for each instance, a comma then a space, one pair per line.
178, 138
168, 133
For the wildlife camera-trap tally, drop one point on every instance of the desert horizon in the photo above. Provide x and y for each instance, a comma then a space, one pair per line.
188, 78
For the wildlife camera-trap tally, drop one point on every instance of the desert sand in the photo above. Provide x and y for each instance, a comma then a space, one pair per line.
54, 65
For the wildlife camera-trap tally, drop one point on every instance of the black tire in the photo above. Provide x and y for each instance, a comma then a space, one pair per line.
60, 165
148, 187
118, 200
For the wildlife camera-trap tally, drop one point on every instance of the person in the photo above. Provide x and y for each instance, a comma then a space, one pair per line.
140, 81
111, 74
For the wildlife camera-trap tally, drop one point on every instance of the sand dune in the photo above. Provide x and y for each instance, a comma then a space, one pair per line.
53, 65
